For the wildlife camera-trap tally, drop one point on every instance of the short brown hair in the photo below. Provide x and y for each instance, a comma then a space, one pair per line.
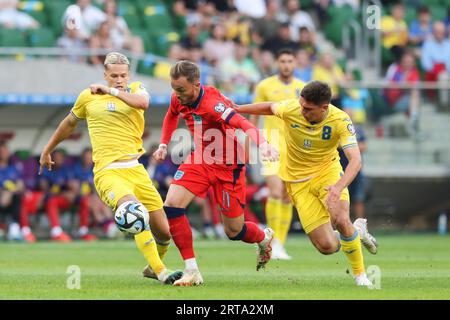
186, 69
317, 92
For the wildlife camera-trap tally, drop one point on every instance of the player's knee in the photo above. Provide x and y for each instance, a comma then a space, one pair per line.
326, 247
233, 232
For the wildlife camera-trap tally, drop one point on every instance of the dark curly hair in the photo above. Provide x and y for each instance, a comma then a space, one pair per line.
317, 92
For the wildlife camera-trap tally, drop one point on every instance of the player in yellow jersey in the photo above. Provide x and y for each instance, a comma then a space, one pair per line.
276, 88
313, 175
115, 119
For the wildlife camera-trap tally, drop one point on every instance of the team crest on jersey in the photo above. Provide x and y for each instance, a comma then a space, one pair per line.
220, 107
178, 175
111, 106
307, 143
351, 128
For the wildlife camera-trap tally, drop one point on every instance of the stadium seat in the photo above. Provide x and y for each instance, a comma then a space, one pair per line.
147, 40
156, 16
438, 13
12, 38
339, 17
56, 11
42, 37
163, 40
131, 14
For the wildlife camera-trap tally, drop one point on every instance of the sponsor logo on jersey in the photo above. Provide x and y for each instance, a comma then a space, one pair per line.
178, 175
295, 125
111, 106
220, 107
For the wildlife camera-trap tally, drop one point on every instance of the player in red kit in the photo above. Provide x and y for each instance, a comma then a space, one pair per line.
218, 161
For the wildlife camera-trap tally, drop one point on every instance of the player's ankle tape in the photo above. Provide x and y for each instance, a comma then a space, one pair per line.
172, 212
240, 235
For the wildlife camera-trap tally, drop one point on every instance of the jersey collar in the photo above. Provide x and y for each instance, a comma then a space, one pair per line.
200, 96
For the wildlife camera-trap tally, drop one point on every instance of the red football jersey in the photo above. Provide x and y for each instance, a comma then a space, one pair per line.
208, 119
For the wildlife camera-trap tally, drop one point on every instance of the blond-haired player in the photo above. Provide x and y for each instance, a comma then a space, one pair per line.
313, 175
115, 119
276, 88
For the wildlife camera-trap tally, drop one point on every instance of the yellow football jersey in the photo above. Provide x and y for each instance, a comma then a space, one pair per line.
115, 128
312, 147
273, 89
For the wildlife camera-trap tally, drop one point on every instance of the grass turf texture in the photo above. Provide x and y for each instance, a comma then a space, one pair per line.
412, 267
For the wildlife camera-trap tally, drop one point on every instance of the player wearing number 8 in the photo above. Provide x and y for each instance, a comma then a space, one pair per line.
313, 175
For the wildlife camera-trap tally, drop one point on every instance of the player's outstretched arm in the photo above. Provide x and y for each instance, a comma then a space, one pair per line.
64, 130
135, 100
170, 124
261, 108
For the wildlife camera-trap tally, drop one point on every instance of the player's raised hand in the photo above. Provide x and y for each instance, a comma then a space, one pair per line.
99, 89
334, 194
45, 161
161, 153
268, 152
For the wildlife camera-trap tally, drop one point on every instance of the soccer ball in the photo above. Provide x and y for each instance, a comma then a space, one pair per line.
131, 217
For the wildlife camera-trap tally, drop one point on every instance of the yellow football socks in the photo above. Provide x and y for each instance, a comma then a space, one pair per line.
352, 249
273, 213
147, 246
285, 221
162, 247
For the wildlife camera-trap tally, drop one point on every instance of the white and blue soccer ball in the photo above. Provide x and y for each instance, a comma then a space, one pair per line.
131, 217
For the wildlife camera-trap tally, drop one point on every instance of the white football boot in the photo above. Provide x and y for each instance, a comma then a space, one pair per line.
191, 277
367, 239
264, 250
362, 280
278, 251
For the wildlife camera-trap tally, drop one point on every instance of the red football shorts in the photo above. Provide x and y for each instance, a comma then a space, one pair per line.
228, 185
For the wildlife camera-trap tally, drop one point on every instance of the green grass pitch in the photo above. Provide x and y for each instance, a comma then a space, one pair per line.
412, 267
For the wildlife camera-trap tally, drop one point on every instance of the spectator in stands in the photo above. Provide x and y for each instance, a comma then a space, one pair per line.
395, 31
421, 28
266, 27
239, 72
447, 21
162, 68
217, 48
266, 64
327, 70
191, 38
62, 193
307, 41
304, 66
238, 26
162, 174
84, 16
281, 40
121, 35
196, 54
321, 11
72, 41
435, 58
403, 100
11, 189
297, 19
101, 40
358, 188
354, 100
102, 214
12, 18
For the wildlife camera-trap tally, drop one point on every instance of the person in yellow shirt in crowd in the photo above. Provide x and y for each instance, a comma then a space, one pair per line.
394, 31
327, 70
